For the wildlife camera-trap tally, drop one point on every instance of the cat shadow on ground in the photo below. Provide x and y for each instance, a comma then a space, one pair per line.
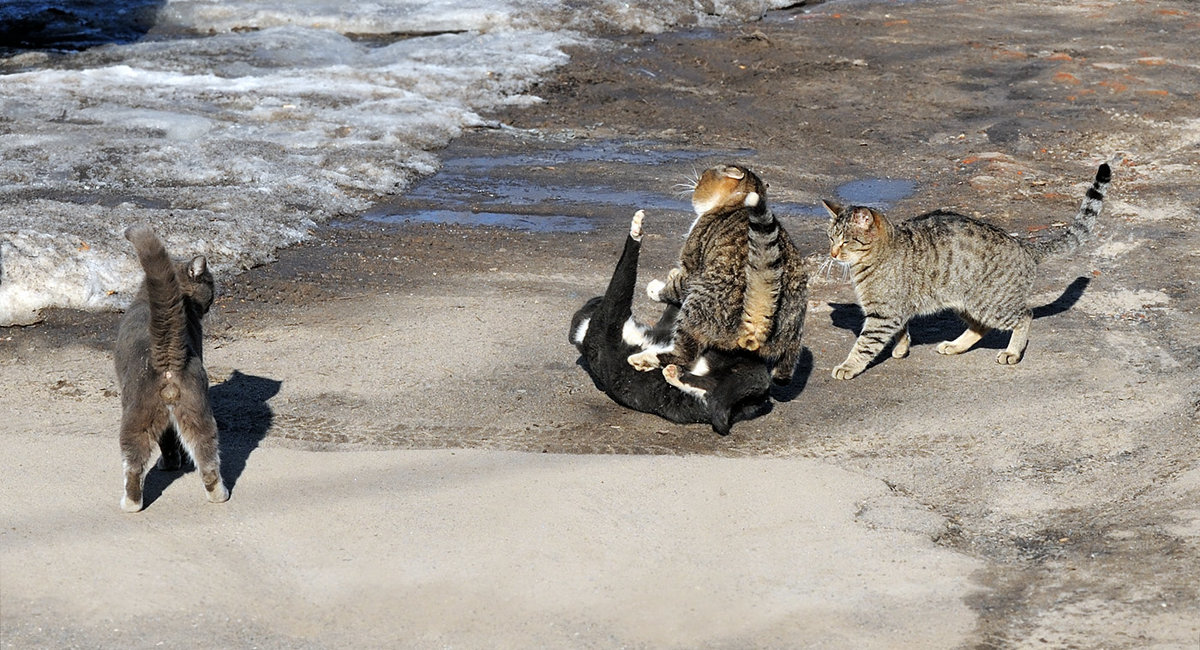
804, 368
945, 326
243, 419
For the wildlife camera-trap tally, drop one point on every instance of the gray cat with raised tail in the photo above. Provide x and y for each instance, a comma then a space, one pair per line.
160, 368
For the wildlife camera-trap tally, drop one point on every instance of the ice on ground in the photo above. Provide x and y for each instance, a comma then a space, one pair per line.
237, 142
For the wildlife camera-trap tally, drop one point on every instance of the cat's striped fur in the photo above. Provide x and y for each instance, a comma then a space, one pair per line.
944, 261
721, 388
740, 281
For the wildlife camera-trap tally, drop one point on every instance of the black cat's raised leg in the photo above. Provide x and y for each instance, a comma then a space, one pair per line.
617, 305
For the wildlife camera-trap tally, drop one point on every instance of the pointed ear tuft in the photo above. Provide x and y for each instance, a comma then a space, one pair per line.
832, 208
733, 172
751, 200
197, 266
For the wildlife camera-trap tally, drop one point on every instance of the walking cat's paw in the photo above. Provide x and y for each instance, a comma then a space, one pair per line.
219, 494
644, 361
1008, 358
949, 348
654, 289
845, 371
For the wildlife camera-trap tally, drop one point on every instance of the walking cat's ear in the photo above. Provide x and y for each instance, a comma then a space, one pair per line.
862, 219
197, 266
832, 208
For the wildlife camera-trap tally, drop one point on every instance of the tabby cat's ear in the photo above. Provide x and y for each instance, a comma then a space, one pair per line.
832, 208
197, 266
734, 172
862, 218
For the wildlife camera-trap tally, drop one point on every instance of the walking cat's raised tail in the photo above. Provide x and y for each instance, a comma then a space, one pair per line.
1083, 223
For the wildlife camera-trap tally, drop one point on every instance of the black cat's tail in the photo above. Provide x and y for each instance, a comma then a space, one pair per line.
1081, 226
764, 276
168, 350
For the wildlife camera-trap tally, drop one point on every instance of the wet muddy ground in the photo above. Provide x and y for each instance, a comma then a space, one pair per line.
1075, 475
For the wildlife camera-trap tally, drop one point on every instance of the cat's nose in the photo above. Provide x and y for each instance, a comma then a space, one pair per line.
834, 251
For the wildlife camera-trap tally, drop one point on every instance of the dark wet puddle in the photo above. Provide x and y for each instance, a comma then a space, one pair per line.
564, 186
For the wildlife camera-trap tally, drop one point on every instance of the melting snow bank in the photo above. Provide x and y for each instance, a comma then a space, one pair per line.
235, 144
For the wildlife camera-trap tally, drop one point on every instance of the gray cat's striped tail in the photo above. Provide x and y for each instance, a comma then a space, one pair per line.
167, 348
764, 275
1080, 227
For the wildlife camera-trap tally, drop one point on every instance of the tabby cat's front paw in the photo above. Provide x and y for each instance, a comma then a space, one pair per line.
644, 361
654, 289
1008, 358
846, 371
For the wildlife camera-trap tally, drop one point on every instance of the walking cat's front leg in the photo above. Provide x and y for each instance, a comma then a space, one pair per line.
877, 332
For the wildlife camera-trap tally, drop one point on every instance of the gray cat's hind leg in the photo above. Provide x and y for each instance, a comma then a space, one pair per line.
198, 432
139, 439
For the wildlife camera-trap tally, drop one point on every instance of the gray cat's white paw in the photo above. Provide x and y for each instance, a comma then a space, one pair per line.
654, 289
130, 506
219, 494
644, 361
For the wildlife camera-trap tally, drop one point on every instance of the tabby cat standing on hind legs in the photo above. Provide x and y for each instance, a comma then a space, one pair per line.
164, 387
740, 283
721, 388
939, 261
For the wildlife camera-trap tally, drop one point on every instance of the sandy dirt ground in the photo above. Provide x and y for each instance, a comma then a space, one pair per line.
417, 460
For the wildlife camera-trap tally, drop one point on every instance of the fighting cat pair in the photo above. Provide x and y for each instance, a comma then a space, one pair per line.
740, 290
735, 308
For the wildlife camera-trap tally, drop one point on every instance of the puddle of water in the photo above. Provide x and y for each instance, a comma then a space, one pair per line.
606, 151
524, 222
566, 189
555, 187
876, 192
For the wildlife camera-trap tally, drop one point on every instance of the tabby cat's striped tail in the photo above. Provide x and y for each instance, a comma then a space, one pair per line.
168, 351
764, 275
1070, 239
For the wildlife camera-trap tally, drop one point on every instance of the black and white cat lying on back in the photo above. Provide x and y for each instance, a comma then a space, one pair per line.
720, 388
